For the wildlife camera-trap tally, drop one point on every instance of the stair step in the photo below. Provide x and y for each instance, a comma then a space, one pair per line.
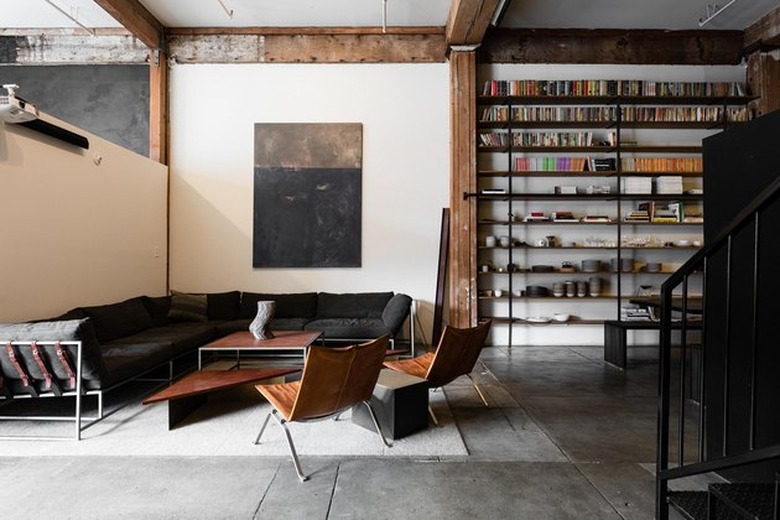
692, 505
753, 501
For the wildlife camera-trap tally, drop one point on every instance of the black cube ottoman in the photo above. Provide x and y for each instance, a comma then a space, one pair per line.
400, 402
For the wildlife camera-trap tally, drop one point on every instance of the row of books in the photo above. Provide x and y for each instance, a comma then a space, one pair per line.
662, 164
707, 114
552, 138
584, 164
563, 114
551, 164
610, 87
603, 114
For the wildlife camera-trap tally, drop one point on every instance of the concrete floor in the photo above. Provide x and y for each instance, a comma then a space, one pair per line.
567, 437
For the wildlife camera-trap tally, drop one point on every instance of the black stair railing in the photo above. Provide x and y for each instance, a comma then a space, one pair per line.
680, 309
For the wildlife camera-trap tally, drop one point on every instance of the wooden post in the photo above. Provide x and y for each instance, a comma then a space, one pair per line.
158, 106
763, 77
463, 179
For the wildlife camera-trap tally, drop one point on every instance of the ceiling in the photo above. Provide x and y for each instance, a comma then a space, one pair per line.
550, 14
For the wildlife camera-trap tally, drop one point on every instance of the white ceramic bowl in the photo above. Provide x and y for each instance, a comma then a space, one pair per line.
561, 317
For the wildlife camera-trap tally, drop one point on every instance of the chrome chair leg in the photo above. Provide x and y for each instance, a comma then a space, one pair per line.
481, 395
265, 423
376, 424
293, 453
433, 416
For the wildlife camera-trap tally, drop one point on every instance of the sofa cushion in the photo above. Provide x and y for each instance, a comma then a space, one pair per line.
396, 311
349, 328
158, 308
290, 305
82, 330
223, 306
180, 336
119, 319
188, 307
352, 305
124, 362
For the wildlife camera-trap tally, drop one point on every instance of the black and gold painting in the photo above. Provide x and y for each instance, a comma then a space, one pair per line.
307, 195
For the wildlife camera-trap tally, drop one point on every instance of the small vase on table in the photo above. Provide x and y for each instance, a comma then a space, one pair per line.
261, 325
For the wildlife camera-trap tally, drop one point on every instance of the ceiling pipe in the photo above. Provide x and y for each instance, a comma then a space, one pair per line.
228, 11
70, 17
384, 16
712, 11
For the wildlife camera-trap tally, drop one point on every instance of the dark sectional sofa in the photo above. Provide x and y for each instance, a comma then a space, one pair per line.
125, 340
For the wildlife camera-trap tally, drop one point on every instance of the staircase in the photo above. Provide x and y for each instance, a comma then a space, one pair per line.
703, 428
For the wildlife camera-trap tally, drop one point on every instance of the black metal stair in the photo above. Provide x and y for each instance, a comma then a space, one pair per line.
749, 501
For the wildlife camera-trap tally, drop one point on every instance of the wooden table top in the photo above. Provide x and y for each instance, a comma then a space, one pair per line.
209, 380
283, 339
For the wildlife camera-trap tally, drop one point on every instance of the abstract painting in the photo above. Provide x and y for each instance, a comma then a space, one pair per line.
307, 195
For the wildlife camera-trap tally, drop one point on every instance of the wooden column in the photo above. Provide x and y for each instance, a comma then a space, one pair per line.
463, 179
763, 78
158, 107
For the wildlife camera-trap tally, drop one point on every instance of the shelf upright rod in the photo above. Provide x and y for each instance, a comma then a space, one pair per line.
510, 220
619, 228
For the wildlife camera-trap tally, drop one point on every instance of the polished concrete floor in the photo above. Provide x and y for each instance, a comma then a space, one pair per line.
566, 437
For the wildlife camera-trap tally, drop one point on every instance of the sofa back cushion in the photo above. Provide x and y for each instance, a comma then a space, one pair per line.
188, 307
292, 305
158, 308
352, 305
223, 306
118, 319
82, 330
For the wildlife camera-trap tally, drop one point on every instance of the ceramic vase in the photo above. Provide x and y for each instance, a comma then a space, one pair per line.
261, 325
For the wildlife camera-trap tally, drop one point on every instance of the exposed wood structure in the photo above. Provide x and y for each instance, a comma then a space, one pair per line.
765, 33
71, 49
468, 20
463, 216
306, 31
158, 107
763, 78
137, 19
607, 46
239, 47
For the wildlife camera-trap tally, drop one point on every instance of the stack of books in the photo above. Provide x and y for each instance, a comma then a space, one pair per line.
564, 216
636, 314
638, 215
672, 185
536, 216
603, 165
636, 185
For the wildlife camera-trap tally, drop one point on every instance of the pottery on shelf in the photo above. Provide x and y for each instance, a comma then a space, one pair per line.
261, 325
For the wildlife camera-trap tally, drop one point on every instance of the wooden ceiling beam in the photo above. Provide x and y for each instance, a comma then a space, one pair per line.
468, 21
612, 46
764, 34
137, 19
303, 31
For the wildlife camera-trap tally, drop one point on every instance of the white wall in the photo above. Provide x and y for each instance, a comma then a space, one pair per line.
75, 232
404, 110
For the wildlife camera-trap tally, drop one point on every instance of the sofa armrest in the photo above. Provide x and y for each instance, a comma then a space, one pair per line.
396, 311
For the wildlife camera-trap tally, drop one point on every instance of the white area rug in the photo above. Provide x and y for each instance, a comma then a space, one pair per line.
227, 425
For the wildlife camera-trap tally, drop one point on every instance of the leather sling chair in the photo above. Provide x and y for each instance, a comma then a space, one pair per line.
455, 356
333, 380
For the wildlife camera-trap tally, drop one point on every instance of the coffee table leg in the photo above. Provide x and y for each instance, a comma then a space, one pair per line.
180, 408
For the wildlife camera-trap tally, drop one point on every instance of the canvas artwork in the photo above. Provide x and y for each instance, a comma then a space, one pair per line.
307, 195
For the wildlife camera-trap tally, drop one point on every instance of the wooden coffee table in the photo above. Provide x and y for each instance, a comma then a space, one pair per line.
284, 340
189, 392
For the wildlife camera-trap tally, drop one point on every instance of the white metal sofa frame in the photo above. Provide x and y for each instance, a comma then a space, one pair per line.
78, 392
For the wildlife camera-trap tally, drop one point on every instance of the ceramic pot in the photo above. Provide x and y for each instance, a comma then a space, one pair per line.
261, 325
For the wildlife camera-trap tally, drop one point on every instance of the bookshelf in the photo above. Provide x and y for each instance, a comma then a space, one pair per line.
591, 182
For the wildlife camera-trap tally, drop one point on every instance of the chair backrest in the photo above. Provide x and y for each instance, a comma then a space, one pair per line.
335, 379
457, 353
